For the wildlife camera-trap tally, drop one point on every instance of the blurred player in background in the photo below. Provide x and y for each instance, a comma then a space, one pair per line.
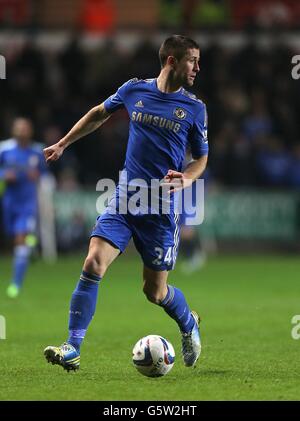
165, 119
191, 247
21, 165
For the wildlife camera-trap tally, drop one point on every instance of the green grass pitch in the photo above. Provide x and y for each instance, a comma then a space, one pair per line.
246, 305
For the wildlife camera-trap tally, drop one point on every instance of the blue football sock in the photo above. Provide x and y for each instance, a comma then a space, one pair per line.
176, 307
83, 306
20, 264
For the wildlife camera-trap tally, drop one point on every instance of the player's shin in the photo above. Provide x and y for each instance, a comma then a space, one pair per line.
21, 259
175, 306
82, 309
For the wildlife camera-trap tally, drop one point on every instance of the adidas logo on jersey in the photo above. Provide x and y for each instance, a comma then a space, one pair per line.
139, 104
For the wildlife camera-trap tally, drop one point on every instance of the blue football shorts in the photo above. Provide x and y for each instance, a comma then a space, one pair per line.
156, 237
18, 221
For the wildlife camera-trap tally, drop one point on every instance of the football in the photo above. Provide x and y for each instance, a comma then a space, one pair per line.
153, 356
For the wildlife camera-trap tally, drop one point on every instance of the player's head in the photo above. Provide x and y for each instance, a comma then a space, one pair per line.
181, 54
22, 130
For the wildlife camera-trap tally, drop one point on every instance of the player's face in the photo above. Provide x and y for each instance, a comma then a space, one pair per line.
188, 67
22, 130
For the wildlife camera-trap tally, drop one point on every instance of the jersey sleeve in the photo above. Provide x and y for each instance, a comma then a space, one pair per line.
198, 136
117, 100
3, 168
1, 165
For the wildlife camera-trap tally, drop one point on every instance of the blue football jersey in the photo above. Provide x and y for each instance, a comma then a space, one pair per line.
21, 194
162, 125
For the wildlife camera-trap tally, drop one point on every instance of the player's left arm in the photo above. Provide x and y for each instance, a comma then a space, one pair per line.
195, 168
199, 148
181, 180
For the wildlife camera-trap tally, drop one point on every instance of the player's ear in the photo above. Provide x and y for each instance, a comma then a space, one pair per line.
172, 61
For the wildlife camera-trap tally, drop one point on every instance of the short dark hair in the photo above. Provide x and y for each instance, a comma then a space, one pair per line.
177, 46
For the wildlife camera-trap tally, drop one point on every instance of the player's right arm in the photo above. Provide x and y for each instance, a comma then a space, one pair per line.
87, 124
8, 175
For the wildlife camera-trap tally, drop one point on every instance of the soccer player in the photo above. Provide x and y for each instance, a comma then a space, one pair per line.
164, 119
21, 165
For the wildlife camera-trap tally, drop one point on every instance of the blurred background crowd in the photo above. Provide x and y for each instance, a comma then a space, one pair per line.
252, 100
63, 57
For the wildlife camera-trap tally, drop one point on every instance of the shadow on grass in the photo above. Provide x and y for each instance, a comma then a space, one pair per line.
214, 372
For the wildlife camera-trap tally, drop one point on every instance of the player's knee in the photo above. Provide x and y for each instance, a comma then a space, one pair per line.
93, 264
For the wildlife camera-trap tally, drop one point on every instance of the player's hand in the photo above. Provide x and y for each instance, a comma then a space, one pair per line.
33, 174
176, 181
53, 153
10, 176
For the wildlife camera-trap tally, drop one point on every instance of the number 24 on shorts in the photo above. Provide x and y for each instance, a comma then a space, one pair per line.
160, 254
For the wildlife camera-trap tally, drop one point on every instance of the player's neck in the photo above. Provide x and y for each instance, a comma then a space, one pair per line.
167, 84
23, 144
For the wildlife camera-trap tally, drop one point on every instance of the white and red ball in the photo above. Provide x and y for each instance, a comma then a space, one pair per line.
153, 356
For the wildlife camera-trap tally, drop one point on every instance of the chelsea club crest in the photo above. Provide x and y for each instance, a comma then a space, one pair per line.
180, 113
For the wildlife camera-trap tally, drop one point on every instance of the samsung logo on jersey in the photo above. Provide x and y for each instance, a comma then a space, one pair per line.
156, 121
